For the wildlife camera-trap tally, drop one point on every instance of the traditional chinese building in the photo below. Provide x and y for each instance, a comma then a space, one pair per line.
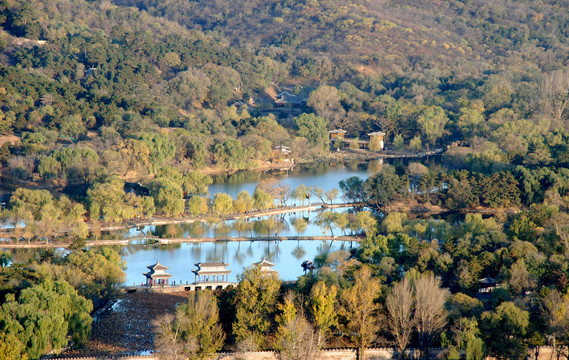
337, 134
380, 136
211, 272
487, 285
281, 152
266, 267
157, 274
287, 99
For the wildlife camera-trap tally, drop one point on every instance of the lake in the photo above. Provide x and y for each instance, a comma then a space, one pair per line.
287, 256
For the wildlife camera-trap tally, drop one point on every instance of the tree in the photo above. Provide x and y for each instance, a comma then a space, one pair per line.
286, 312
554, 91
375, 144
95, 272
400, 303
135, 155
430, 313
199, 326
168, 197
189, 88
503, 330
322, 308
326, 102
44, 315
301, 193
197, 205
360, 309
230, 154
262, 200
326, 221
243, 203
257, 298
300, 343
432, 121
352, 189
196, 183
313, 128
331, 195
299, 225
222, 204
385, 187
167, 342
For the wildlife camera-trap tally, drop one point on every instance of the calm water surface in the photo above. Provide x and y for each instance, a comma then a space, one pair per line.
287, 256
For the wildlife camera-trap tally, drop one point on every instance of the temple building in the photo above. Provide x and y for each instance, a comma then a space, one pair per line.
211, 272
266, 267
157, 274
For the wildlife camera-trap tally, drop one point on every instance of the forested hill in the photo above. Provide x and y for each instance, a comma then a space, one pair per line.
460, 36
96, 92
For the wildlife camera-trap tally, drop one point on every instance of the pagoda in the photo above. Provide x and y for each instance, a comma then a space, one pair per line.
157, 274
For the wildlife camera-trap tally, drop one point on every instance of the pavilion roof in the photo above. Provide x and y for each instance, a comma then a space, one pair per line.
154, 275
337, 131
157, 266
211, 268
377, 133
264, 262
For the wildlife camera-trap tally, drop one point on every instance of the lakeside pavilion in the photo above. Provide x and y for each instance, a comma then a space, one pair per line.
266, 267
157, 274
215, 272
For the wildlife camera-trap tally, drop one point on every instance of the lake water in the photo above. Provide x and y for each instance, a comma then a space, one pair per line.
325, 175
287, 256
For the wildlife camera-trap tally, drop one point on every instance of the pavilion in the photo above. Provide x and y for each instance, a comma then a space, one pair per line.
157, 274
216, 272
266, 267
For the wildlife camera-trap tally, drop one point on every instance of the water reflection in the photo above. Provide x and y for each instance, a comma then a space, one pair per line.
266, 226
287, 256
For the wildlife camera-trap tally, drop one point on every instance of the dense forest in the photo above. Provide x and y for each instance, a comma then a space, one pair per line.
98, 95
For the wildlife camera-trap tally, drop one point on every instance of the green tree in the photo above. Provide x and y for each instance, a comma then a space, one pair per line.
197, 206
161, 148
385, 187
262, 200
196, 183
432, 121
352, 189
44, 315
257, 298
168, 197
504, 329
313, 128
222, 204
243, 203
199, 325
230, 154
